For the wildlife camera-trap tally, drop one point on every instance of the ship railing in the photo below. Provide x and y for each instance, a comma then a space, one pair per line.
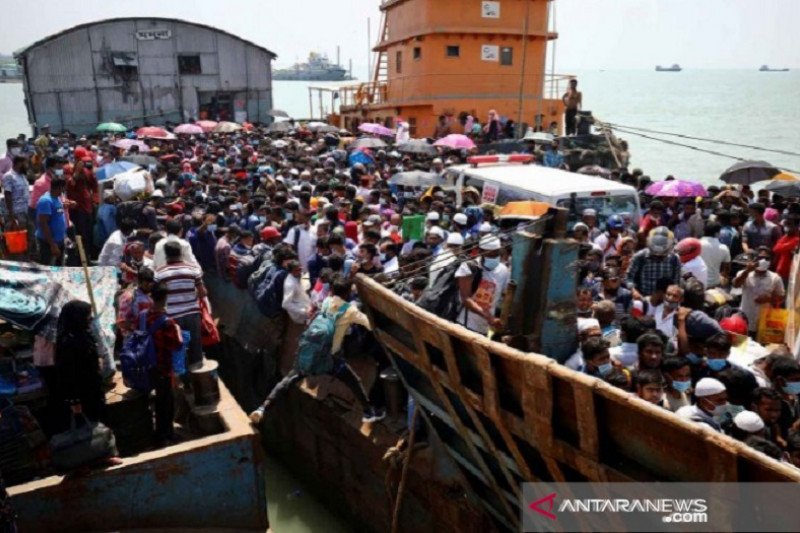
555, 85
363, 94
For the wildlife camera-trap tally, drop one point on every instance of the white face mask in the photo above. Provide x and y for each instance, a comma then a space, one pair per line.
16, 151
58, 172
763, 265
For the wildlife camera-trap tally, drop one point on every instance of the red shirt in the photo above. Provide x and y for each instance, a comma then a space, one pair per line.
82, 191
784, 251
167, 339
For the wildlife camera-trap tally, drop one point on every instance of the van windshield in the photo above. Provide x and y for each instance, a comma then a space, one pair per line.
624, 205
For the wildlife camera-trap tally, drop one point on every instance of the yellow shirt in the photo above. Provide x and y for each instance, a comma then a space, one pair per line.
350, 317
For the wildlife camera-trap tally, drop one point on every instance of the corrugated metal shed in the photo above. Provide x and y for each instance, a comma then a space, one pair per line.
144, 71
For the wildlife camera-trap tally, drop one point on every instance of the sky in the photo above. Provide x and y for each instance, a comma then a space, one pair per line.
593, 34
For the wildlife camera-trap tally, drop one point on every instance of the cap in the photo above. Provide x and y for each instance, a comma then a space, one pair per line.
437, 231
688, 249
734, 324
455, 239
589, 212
437, 161
585, 324
708, 387
485, 228
158, 193
490, 244
701, 326
269, 233
461, 219
748, 421
433, 216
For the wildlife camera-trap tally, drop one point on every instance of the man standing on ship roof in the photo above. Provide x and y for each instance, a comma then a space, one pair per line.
573, 101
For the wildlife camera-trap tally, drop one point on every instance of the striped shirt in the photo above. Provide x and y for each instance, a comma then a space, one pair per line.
182, 280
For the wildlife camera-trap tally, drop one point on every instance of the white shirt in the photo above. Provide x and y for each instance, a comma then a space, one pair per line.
697, 267
665, 325
626, 354
306, 244
602, 243
714, 254
295, 300
755, 286
160, 258
111, 254
490, 291
391, 267
575, 361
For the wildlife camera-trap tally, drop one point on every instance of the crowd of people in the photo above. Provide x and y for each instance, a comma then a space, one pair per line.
668, 305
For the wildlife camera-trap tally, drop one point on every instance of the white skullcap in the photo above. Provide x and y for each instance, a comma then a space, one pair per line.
433, 216
485, 228
437, 160
708, 387
585, 324
589, 212
580, 226
294, 172
158, 193
748, 421
460, 218
490, 244
455, 239
436, 230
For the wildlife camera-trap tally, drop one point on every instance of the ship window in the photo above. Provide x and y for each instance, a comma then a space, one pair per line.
125, 64
412, 126
417, 52
453, 51
189, 65
506, 56
398, 61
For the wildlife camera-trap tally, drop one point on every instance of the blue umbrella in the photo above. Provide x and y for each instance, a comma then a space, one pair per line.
360, 157
112, 169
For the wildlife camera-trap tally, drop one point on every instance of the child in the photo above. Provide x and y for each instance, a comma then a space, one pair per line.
167, 339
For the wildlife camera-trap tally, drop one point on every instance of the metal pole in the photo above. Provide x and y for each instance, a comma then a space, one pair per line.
310, 103
369, 50
524, 60
86, 275
539, 113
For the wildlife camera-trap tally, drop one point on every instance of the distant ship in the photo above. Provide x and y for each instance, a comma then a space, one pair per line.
10, 73
765, 68
318, 68
674, 68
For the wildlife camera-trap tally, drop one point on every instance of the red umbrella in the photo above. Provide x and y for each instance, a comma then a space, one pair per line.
153, 132
189, 129
207, 125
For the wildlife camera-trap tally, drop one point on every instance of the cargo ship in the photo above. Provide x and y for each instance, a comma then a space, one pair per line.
9, 71
765, 68
673, 68
318, 68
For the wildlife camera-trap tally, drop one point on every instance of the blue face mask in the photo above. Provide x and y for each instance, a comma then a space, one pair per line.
605, 369
681, 386
792, 387
694, 358
212, 228
262, 219
490, 263
716, 364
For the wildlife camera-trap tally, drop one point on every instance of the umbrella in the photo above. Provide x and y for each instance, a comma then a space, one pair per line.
376, 129
676, 189
360, 157
416, 178
189, 129
321, 127
227, 127
594, 170
207, 125
456, 141
538, 137
747, 172
279, 127
417, 146
111, 126
279, 113
367, 142
112, 169
141, 160
784, 184
153, 132
126, 144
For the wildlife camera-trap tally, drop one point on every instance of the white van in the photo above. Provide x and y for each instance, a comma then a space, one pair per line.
500, 183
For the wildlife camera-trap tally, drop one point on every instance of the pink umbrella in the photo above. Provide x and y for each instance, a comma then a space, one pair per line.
455, 141
189, 129
376, 129
207, 125
676, 189
126, 144
153, 132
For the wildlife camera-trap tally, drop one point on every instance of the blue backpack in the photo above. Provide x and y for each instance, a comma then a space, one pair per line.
138, 355
314, 356
269, 293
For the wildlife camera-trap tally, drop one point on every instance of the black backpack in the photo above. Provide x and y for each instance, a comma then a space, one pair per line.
133, 210
269, 293
443, 298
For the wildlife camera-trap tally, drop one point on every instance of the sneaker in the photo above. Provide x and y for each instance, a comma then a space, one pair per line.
372, 414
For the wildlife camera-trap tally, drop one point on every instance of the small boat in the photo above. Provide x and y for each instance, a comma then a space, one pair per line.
674, 68
765, 68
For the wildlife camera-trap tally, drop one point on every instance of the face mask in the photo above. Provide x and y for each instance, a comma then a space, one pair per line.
262, 219
716, 364
58, 172
763, 265
15, 151
732, 410
490, 263
384, 258
681, 386
288, 216
671, 305
719, 410
792, 387
605, 369
694, 358
212, 228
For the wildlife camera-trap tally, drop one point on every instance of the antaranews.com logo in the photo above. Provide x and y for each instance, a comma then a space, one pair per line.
682, 510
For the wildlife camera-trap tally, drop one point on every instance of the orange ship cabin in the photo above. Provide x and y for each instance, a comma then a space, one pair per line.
459, 58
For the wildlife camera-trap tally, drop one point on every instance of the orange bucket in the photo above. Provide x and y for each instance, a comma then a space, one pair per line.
16, 241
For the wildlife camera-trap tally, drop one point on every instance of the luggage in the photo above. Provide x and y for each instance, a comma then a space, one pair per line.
82, 445
208, 329
443, 298
314, 356
138, 355
129, 184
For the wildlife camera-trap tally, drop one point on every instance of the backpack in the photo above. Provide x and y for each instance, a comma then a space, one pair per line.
264, 265
269, 293
240, 267
443, 298
133, 210
314, 356
249, 264
138, 355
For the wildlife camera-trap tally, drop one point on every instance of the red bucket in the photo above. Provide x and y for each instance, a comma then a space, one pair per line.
16, 241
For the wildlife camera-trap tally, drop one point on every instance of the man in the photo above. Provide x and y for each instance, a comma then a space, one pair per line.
174, 229
655, 262
652, 220
203, 241
604, 312
442, 128
82, 191
760, 288
54, 167
222, 250
610, 240
184, 282
552, 157
589, 217
766, 403
692, 265
650, 351
301, 238
627, 353
784, 250
614, 292
7, 161
296, 302
678, 375
690, 222
51, 224
480, 306
759, 231
650, 386
715, 255
573, 100
114, 248
16, 195
596, 357
389, 259
712, 401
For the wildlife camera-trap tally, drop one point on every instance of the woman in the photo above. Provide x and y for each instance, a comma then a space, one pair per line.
79, 385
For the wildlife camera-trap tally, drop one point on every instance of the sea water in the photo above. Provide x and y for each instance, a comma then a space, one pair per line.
741, 106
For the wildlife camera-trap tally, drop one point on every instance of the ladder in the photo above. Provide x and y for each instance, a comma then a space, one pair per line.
381, 70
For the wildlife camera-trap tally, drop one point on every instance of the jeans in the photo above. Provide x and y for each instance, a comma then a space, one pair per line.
45, 255
341, 371
83, 227
570, 122
194, 353
164, 406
